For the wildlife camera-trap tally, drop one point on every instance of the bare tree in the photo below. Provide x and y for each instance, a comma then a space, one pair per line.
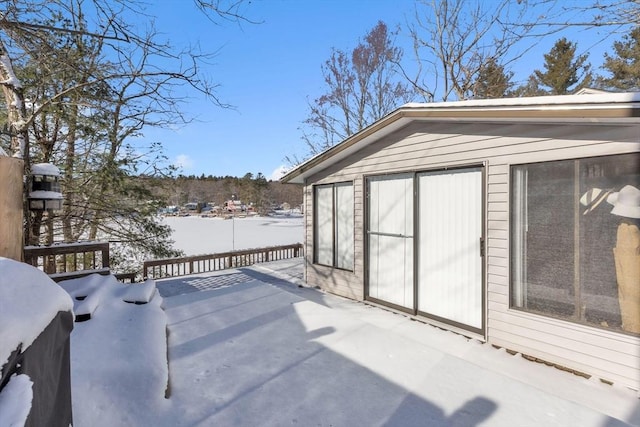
12, 89
454, 40
90, 91
362, 86
616, 14
229, 10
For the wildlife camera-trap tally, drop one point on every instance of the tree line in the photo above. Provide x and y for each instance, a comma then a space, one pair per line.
81, 84
257, 191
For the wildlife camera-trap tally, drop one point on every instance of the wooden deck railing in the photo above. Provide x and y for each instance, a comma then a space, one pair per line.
67, 257
169, 267
66, 260
70, 260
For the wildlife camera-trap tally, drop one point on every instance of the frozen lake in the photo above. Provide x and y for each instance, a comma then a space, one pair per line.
196, 236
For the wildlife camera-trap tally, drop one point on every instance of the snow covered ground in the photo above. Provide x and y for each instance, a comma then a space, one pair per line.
195, 235
254, 347
249, 347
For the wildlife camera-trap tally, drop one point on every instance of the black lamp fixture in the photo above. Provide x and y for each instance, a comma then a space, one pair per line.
45, 188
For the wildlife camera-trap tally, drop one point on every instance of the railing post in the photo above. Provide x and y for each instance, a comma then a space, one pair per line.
49, 263
105, 256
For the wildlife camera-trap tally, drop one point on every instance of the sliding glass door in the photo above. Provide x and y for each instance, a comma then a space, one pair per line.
390, 237
425, 244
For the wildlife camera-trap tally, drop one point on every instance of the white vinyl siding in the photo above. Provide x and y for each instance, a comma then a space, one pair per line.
449, 259
427, 145
391, 239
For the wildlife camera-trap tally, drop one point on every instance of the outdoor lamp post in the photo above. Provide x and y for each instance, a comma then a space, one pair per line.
44, 194
233, 224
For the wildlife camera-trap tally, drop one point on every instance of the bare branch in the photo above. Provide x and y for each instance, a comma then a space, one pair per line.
454, 39
229, 10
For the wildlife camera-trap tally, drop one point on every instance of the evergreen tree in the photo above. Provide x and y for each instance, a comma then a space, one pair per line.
624, 66
530, 88
565, 73
492, 81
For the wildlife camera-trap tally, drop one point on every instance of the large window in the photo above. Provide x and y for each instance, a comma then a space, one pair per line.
334, 225
575, 241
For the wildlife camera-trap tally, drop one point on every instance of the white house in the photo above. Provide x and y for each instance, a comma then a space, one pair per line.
514, 221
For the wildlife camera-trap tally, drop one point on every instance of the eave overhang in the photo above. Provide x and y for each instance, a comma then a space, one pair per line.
601, 108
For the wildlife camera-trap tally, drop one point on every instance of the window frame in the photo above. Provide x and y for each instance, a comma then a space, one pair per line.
518, 255
335, 224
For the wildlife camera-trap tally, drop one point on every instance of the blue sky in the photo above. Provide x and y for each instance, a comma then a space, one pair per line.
268, 71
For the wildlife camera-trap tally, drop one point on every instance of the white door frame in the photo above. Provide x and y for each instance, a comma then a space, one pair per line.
415, 255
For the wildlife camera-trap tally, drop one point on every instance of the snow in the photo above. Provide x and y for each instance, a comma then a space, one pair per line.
119, 361
558, 100
29, 300
45, 169
254, 346
70, 245
87, 292
47, 195
140, 293
3, 153
196, 235
15, 401
250, 347
12, 80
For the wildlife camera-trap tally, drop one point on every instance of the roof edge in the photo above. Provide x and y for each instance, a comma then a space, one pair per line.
599, 105
560, 100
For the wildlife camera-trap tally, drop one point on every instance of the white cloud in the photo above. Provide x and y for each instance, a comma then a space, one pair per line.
183, 161
278, 173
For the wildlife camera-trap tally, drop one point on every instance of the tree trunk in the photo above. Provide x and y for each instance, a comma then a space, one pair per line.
70, 157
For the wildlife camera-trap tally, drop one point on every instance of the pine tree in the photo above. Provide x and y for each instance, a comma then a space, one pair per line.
530, 88
624, 66
492, 81
565, 73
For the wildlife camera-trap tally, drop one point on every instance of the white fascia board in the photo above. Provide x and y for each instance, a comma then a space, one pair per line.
489, 110
567, 101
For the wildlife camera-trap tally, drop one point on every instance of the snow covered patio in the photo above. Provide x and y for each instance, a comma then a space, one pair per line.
249, 347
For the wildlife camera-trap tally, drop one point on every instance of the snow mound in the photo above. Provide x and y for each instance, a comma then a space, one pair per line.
119, 368
140, 293
15, 401
29, 300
